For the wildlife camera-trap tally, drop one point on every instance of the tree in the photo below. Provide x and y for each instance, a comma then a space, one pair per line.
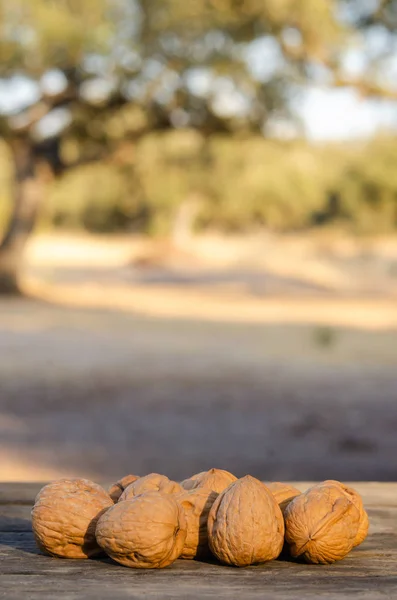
108, 71
34, 38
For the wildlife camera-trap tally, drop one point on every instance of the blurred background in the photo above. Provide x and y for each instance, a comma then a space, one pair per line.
198, 259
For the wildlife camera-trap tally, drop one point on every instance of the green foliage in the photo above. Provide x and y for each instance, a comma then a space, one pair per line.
43, 34
148, 53
368, 188
257, 182
241, 183
170, 168
90, 197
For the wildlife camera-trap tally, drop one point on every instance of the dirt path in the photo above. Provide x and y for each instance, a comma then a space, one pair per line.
101, 392
274, 356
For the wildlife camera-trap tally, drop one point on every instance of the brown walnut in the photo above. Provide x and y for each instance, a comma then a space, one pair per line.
216, 480
321, 524
147, 532
283, 493
245, 524
118, 488
64, 517
355, 497
151, 483
197, 505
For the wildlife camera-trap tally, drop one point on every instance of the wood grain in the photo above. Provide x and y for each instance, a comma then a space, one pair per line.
370, 571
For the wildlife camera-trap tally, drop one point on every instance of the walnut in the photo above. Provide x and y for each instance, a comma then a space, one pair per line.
196, 504
321, 524
64, 517
147, 532
245, 524
215, 479
151, 483
118, 488
355, 497
283, 493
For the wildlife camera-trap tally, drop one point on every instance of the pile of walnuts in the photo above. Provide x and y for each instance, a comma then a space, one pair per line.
148, 522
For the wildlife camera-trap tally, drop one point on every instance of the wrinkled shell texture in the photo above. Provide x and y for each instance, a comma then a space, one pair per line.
321, 525
282, 491
151, 483
245, 524
146, 532
64, 517
216, 480
355, 497
118, 488
196, 505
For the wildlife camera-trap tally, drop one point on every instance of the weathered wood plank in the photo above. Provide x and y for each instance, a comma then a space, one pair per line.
96, 579
369, 571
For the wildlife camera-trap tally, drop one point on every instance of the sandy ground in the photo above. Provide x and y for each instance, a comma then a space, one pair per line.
109, 369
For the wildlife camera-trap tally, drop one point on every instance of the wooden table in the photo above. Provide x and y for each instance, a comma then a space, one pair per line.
369, 572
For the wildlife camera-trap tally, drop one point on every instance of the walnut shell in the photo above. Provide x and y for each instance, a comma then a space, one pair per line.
321, 524
147, 532
283, 493
355, 497
197, 505
118, 488
64, 517
216, 480
245, 524
151, 483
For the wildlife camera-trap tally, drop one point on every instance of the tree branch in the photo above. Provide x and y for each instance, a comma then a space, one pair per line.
367, 89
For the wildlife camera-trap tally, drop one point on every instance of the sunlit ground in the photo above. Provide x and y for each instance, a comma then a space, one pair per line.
271, 357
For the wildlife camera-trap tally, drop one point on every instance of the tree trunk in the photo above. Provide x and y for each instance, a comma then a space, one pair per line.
28, 193
186, 215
